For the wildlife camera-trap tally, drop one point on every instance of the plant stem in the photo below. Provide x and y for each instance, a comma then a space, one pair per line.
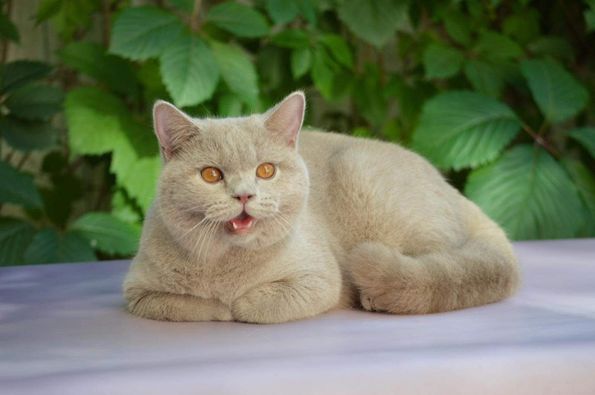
540, 140
194, 22
23, 160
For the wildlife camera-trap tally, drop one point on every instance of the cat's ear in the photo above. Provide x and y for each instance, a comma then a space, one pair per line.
172, 128
286, 118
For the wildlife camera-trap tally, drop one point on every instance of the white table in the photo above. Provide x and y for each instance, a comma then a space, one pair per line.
63, 330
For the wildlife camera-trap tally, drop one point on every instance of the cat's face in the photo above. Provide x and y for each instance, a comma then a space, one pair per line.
231, 181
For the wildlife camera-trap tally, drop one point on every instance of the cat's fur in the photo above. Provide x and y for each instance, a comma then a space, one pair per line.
344, 222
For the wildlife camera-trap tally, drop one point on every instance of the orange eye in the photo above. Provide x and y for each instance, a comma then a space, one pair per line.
265, 170
211, 174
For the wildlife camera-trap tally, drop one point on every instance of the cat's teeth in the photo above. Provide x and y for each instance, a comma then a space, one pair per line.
235, 226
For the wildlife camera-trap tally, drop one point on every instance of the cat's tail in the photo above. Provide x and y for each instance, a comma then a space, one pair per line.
481, 270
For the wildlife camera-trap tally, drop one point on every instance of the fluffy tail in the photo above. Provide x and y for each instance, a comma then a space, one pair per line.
482, 270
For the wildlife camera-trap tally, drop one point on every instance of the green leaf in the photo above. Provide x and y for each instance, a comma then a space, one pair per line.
237, 71
93, 119
484, 77
48, 246
189, 71
141, 33
47, 9
35, 101
497, 47
239, 19
323, 73
27, 135
183, 5
457, 27
21, 72
590, 19
108, 233
552, 46
557, 93
301, 60
528, 193
124, 208
523, 25
585, 184
585, 136
441, 61
229, 106
8, 30
464, 129
92, 60
338, 48
374, 21
291, 38
282, 11
15, 236
17, 187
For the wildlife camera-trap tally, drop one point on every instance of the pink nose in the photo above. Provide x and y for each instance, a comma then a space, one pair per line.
243, 198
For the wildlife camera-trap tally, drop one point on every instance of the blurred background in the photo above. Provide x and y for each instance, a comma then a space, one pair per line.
497, 94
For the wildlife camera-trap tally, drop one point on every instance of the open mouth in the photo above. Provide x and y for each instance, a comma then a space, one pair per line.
240, 224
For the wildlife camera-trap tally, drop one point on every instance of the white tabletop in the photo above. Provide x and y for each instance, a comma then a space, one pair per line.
64, 330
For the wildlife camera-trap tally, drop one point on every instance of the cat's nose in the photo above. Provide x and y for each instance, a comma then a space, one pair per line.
243, 198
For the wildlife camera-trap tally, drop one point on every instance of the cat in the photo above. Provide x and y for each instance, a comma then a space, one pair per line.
255, 221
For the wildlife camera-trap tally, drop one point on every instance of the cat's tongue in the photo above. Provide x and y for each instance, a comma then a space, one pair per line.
240, 224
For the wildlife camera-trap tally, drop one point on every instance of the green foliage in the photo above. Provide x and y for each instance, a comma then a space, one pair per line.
498, 95
464, 129
528, 193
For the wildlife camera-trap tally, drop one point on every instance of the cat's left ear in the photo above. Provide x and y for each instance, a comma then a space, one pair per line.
286, 118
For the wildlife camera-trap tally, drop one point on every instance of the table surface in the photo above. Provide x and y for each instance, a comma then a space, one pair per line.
64, 330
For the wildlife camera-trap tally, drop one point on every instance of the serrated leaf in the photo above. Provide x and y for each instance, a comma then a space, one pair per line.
94, 120
18, 187
21, 72
282, 11
457, 27
141, 33
528, 193
124, 208
237, 71
464, 129
374, 21
68, 16
48, 246
497, 47
15, 236
189, 71
338, 48
108, 233
585, 184
301, 60
7, 29
484, 77
27, 135
291, 38
585, 136
239, 19
557, 93
35, 101
92, 60
441, 61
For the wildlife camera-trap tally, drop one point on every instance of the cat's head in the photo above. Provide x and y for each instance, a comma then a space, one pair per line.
231, 181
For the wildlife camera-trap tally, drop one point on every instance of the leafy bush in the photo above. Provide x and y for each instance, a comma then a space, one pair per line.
497, 94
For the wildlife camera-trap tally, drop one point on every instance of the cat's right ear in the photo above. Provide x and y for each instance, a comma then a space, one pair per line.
172, 128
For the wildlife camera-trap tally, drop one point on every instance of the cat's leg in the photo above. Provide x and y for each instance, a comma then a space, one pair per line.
481, 270
174, 307
286, 300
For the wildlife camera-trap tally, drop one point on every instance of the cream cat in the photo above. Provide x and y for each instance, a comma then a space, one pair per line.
256, 222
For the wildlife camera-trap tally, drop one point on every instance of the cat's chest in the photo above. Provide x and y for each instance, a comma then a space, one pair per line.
223, 278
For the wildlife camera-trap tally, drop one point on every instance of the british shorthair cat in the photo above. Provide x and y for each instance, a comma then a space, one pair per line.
256, 222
